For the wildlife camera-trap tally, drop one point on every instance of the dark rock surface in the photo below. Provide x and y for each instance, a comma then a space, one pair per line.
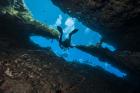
128, 62
118, 21
40, 71
25, 68
17, 25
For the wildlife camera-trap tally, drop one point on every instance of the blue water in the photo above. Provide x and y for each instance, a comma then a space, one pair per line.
47, 13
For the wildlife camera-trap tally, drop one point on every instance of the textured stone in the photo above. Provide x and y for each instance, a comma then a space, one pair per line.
31, 71
25, 68
118, 21
17, 25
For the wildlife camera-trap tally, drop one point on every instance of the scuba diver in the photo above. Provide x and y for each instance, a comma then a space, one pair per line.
66, 43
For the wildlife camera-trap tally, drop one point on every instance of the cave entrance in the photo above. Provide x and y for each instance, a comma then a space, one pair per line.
47, 13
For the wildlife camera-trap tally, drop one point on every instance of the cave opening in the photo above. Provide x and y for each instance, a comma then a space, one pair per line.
47, 13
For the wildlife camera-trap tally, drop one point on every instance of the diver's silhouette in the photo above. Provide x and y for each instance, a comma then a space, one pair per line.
66, 43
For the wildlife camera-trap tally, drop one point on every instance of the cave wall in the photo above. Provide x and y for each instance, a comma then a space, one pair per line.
17, 25
118, 21
25, 69
31, 71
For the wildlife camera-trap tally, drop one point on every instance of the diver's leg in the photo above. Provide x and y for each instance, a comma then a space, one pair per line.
70, 35
61, 34
73, 32
59, 29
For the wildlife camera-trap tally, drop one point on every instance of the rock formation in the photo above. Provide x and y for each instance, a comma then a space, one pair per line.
17, 25
118, 21
26, 68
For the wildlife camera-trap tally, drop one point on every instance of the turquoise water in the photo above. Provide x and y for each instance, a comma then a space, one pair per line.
47, 13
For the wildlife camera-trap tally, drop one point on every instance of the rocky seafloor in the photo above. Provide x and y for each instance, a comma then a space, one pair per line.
26, 68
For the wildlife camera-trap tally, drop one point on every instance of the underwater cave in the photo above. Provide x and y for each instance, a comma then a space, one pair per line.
101, 56
84, 37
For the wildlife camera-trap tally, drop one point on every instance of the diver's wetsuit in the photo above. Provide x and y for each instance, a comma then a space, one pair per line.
66, 43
